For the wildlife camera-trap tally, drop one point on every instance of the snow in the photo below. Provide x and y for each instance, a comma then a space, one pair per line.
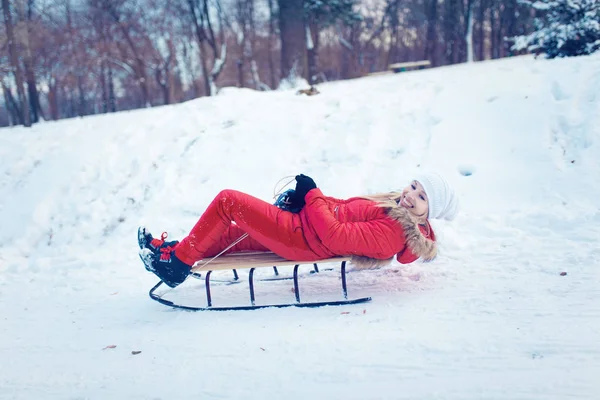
491, 318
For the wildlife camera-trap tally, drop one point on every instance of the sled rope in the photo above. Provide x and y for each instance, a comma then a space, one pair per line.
244, 236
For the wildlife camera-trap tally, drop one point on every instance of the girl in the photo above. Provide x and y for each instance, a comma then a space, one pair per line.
372, 229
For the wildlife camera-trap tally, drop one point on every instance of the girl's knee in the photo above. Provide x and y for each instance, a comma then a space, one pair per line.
227, 194
230, 196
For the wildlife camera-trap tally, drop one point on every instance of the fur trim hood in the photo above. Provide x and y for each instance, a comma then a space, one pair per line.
416, 242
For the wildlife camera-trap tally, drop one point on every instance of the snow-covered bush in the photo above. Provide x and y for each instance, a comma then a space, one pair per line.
564, 28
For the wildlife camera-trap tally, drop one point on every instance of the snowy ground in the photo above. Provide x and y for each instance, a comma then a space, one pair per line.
491, 318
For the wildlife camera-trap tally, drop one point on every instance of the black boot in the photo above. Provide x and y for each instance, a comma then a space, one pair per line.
166, 266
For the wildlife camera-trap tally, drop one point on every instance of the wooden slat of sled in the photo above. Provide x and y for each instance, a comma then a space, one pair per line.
254, 260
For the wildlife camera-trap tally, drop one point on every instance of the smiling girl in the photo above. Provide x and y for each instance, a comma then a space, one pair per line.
372, 229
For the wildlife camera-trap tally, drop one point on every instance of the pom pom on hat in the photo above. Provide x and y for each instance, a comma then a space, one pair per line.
443, 201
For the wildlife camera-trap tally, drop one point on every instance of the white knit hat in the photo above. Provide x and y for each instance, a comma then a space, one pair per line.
443, 202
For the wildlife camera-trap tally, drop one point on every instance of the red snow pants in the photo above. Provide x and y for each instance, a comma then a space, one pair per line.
233, 213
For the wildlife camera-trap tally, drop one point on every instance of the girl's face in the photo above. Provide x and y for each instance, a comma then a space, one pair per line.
415, 200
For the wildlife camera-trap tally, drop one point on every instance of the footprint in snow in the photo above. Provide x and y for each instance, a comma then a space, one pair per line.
466, 170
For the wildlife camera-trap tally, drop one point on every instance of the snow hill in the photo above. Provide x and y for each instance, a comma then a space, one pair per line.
491, 318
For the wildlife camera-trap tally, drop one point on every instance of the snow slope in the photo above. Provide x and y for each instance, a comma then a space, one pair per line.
491, 318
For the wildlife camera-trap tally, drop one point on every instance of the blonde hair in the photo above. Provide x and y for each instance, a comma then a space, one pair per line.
387, 200
390, 201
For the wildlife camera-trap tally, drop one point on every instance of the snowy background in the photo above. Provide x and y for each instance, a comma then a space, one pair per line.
491, 318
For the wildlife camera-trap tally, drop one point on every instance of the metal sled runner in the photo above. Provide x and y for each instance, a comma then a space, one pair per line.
258, 260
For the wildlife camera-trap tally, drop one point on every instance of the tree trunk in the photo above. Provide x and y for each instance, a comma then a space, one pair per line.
53, 98
176, 88
452, 32
71, 107
509, 24
449, 27
311, 52
7, 104
493, 30
481, 30
241, 18
469, 30
219, 56
271, 63
345, 70
293, 44
14, 60
81, 103
112, 101
240, 73
392, 9
431, 32
34, 100
104, 87
219, 62
187, 62
205, 72
254, 73
12, 107
201, 38
162, 80
140, 68
162, 74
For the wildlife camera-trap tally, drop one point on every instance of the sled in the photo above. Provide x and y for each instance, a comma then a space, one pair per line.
252, 261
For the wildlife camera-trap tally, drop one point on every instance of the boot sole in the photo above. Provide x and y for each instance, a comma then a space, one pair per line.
147, 256
163, 272
141, 237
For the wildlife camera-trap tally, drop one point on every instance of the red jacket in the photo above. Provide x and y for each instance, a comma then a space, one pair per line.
325, 227
359, 227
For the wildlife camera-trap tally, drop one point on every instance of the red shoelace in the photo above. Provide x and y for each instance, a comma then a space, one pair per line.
156, 243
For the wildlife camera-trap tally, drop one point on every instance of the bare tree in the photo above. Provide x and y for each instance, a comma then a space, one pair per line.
186, 51
318, 16
241, 24
509, 24
104, 45
28, 65
80, 57
24, 112
392, 15
468, 36
76, 51
12, 107
161, 49
480, 29
117, 11
369, 36
271, 36
205, 35
432, 16
293, 43
493, 22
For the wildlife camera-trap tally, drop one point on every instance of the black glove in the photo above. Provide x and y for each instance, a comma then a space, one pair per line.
304, 184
